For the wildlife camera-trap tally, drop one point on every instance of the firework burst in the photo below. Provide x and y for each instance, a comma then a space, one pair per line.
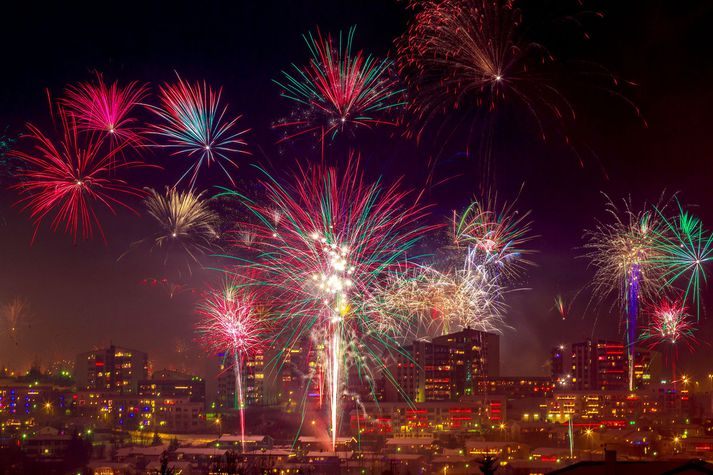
231, 322
339, 90
102, 108
669, 325
184, 221
623, 253
337, 239
685, 248
67, 178
471, 56
493, 238
194, 125
445, 302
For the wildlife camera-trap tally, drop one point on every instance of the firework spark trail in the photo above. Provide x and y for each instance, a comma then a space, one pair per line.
623, 252
336, 240
67, 178
13, 314
669, 325
685, 248
338, 89
231, 323
103, 108
471, 56
194, 126
561, 306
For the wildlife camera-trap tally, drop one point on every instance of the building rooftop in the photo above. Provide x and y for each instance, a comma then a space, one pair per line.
666, 467
410, 441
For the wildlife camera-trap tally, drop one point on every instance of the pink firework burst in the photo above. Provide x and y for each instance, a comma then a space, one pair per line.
194, 125
65, 179
106, 108
231, 322
670, 325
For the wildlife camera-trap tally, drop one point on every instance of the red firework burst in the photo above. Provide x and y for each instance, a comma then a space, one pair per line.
66, 178
106, 108
471, 56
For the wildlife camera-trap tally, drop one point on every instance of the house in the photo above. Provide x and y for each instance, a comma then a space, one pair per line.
410, 445
611, 466
252, 442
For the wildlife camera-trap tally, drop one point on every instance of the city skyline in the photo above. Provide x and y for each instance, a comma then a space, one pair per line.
416, 235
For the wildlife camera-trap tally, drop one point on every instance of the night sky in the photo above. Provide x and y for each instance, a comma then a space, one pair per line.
81, 296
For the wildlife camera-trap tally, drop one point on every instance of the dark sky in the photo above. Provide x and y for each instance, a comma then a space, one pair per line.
81, 296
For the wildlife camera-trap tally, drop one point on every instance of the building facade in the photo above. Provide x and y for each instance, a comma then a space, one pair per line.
112, 369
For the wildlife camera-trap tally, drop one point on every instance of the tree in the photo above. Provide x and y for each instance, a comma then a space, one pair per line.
488, 465
173, 445
164, 470
78, 452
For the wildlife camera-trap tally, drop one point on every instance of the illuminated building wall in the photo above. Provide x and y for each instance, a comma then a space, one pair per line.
173, 385
445, 369
111, 369
423, 419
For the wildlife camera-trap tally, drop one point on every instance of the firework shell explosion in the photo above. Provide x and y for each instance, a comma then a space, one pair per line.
337, 238
670, 322
470, 56
194, 125
669, 326
66, 179
445, 302
101, 108
685, 248
184, 222
338, 90
232, 322
492, 239
623, 252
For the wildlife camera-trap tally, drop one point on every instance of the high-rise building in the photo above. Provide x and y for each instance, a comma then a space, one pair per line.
112, 369
557, 363
583, 372
602, 365
253, 379
599, 365
474, 354
446, 368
